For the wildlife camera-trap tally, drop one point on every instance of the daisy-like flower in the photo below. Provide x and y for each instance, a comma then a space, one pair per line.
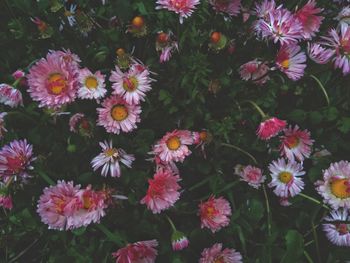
179, 241
344, 16
215, 254
109, 158
253, 176
215, 213
92, 86
335, 187
139, 252
78, 123
340, 43
263, 9
6, 201
166, 45
131, 85
291, 61
230, 7
270, 128
117, 115
163, 191
296, 143
184, 8
174, 146
15, 160
255, 71
2, 124
286, 178
319, 54
281, 26
309, 19
70, 14
337, 227
10, 96
53, 81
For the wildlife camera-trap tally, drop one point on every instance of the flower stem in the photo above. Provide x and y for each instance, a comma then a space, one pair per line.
116, 239
321, 87
267, 210
314, 200
171, 223
262, 113
241, 150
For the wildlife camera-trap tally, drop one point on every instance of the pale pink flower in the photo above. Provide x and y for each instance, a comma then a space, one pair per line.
139, 252
109, 159
2, 124
215, 254
174, 146
270, 128
255, 71
15, 160
10, 96
184, 8
171, 166
263, 8
309, 19
163, 191
344, 16
92, 85
319, 54
291, 61
179, 241
18, 74
286, 178
215, 213
53, 81
296, 143
337, 227
230, 7
117, 115
6, 201
253, 176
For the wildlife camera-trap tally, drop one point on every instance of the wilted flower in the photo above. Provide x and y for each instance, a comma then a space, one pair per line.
184, 8
215, 254
6, 201
166, 45
255, 71
78, 123
229, 7
139, 252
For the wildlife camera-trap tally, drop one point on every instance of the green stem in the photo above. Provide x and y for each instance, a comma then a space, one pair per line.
112, 237
308, 257
46, 178
321, 87
267, 210
262, 113
241, 150
314, 200
14, 84
171, 223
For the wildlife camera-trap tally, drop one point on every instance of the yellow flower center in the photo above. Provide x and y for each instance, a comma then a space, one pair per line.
285, 63
340, 188
173, 143
86, 202
110, 152
210, 211
220, 259
292, 142
56, 84
285, 177
91, 82
130, 84
119, 112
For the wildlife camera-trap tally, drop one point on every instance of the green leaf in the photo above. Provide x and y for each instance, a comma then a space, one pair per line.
295, 247
344, 125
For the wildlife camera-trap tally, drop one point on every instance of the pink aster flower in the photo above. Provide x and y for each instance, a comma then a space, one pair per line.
53, 81
92, 86
215, 213
270, 128
174, 146
163, 191
309, 19
68, 58
215, 254
255, 71
253, 176
2, 124
230, 7
131, 85
117, 115
263, 8
6, 201
139, 252
335, 186
340, 43
171, 166
10, 96
109, 158
291, 62
281, 26
296, 143
337, 227
286, 178
319, 54
184, 8
15, 160
179, 241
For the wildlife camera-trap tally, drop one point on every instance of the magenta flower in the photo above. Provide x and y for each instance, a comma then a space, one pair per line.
255, 71
184, 8
291, 62
215, 254
230, 7
139, 252
6, 201
270, 128
319, 54
10, 96
253, 176
179, 241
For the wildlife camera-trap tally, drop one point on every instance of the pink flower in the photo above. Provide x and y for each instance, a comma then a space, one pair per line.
6, 201
166, 45
53, 81
291, 62
173, 146
163, 191
92, 85
117, 115
337, 227
78, 123
319, 54
2, 124
215, 213
139, 252
131, 85
296, 143
263, 9
270, 128
171, 166
10, 96
309, 20
215, 254
18, 74
253, 176
15, 160
110, 158
230, 7
344, 16
179, 241
255, 71
184, 8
